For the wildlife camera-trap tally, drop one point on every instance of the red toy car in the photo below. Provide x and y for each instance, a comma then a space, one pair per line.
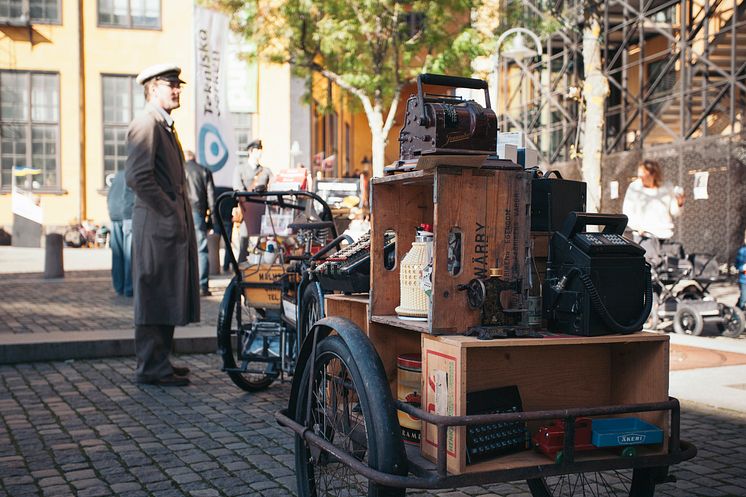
550, 439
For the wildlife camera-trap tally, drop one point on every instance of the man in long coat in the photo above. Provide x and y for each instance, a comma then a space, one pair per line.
164, 252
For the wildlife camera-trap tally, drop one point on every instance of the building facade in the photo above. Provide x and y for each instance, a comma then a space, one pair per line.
67, 94
677, 93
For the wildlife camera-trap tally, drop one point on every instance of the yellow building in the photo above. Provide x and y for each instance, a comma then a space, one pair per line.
68, 92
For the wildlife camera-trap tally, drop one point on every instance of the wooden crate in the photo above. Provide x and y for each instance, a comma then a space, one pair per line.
551, 373
262, 274
490, 208
389, 341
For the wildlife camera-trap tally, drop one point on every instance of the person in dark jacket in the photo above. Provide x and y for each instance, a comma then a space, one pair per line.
226, 215
249, 177
120, 201
164, 249
741, 267
202, 197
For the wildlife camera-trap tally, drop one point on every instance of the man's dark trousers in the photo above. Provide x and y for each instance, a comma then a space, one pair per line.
121, 256
153, 345
200, 229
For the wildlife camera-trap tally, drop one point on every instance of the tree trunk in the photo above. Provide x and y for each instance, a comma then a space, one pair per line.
378, 146
595, 91
378, 139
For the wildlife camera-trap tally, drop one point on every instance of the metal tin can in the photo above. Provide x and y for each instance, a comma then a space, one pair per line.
408, 390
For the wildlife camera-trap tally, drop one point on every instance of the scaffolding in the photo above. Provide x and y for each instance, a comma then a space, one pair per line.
676, 72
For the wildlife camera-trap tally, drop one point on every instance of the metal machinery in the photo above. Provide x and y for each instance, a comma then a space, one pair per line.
446, 124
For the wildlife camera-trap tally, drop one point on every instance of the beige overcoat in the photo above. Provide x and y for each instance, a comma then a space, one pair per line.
165, 274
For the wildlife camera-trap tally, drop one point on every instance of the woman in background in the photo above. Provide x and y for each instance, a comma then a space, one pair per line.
650, 205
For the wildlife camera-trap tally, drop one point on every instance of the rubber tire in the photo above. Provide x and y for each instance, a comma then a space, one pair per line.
738, 320
226, 313
641, 485
379, 417
311, 299
694, 327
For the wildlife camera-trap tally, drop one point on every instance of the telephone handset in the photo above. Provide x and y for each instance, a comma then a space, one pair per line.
608, 242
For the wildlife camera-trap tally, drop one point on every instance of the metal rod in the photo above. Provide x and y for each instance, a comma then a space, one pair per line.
685, 452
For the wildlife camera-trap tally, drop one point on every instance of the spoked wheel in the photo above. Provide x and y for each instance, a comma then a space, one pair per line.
733, 322
639, 482
356, 416
688, 321
230, 339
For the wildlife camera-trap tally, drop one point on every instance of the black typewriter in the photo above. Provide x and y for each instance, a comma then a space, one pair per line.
496, 439
348, 270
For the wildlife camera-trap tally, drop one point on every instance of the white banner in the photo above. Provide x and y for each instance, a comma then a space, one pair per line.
216, 142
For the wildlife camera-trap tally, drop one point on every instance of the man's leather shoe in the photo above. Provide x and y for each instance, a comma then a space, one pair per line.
205, 292
169, 381
180, 370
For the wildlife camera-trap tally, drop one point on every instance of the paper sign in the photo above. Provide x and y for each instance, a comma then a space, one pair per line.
700, 185
614, 189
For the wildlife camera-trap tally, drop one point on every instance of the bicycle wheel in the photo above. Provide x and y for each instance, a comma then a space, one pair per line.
310, 309
230, 338
344, 412
639, 482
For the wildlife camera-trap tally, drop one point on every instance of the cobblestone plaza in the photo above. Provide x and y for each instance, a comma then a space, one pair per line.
83, 428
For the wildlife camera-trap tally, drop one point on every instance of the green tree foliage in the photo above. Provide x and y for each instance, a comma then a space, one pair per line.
370, 48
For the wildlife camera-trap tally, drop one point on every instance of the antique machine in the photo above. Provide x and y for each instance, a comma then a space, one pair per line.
348, 270
446, 124
597, 283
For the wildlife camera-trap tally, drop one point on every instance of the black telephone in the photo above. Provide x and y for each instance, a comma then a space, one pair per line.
597, 283
608, 242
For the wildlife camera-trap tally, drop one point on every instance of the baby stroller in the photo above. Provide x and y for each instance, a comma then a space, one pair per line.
680, 284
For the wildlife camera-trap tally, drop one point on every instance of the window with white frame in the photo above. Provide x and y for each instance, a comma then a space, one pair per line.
122, 99
130, 13
29, 129
35, 11
242, 128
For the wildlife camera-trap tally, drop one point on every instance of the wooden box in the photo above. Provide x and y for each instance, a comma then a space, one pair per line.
551, 373
263, 275
487, 209
389, 341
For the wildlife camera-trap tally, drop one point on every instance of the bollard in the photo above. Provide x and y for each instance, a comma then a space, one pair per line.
213, 253
53, 263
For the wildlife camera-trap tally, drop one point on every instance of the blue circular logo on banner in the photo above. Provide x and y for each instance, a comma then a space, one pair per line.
213, 154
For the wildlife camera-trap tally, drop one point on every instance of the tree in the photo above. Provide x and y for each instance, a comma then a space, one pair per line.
595, 91
581, 17
369, 48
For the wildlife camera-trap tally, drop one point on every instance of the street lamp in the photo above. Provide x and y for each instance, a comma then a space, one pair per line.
518, 51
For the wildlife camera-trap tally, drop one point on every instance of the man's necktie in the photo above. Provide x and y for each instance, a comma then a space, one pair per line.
176, 136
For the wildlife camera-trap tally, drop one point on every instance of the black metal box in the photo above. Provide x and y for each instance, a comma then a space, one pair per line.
552, 199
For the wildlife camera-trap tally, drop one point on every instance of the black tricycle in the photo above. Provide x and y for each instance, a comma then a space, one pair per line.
268, 308
348, 440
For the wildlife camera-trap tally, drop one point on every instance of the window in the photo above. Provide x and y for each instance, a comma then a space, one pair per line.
130, 13
35, 11
242, 129
123, 98
29, 128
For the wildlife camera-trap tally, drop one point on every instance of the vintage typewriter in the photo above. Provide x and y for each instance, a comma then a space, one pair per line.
496, 439
348, 270
446, 124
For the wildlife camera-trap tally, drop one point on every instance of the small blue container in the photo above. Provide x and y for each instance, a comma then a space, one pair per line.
615, 432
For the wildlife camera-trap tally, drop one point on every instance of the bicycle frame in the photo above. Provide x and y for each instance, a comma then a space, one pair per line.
283, 199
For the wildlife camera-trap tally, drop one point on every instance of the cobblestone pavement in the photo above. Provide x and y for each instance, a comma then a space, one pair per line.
83, 428
82, 300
